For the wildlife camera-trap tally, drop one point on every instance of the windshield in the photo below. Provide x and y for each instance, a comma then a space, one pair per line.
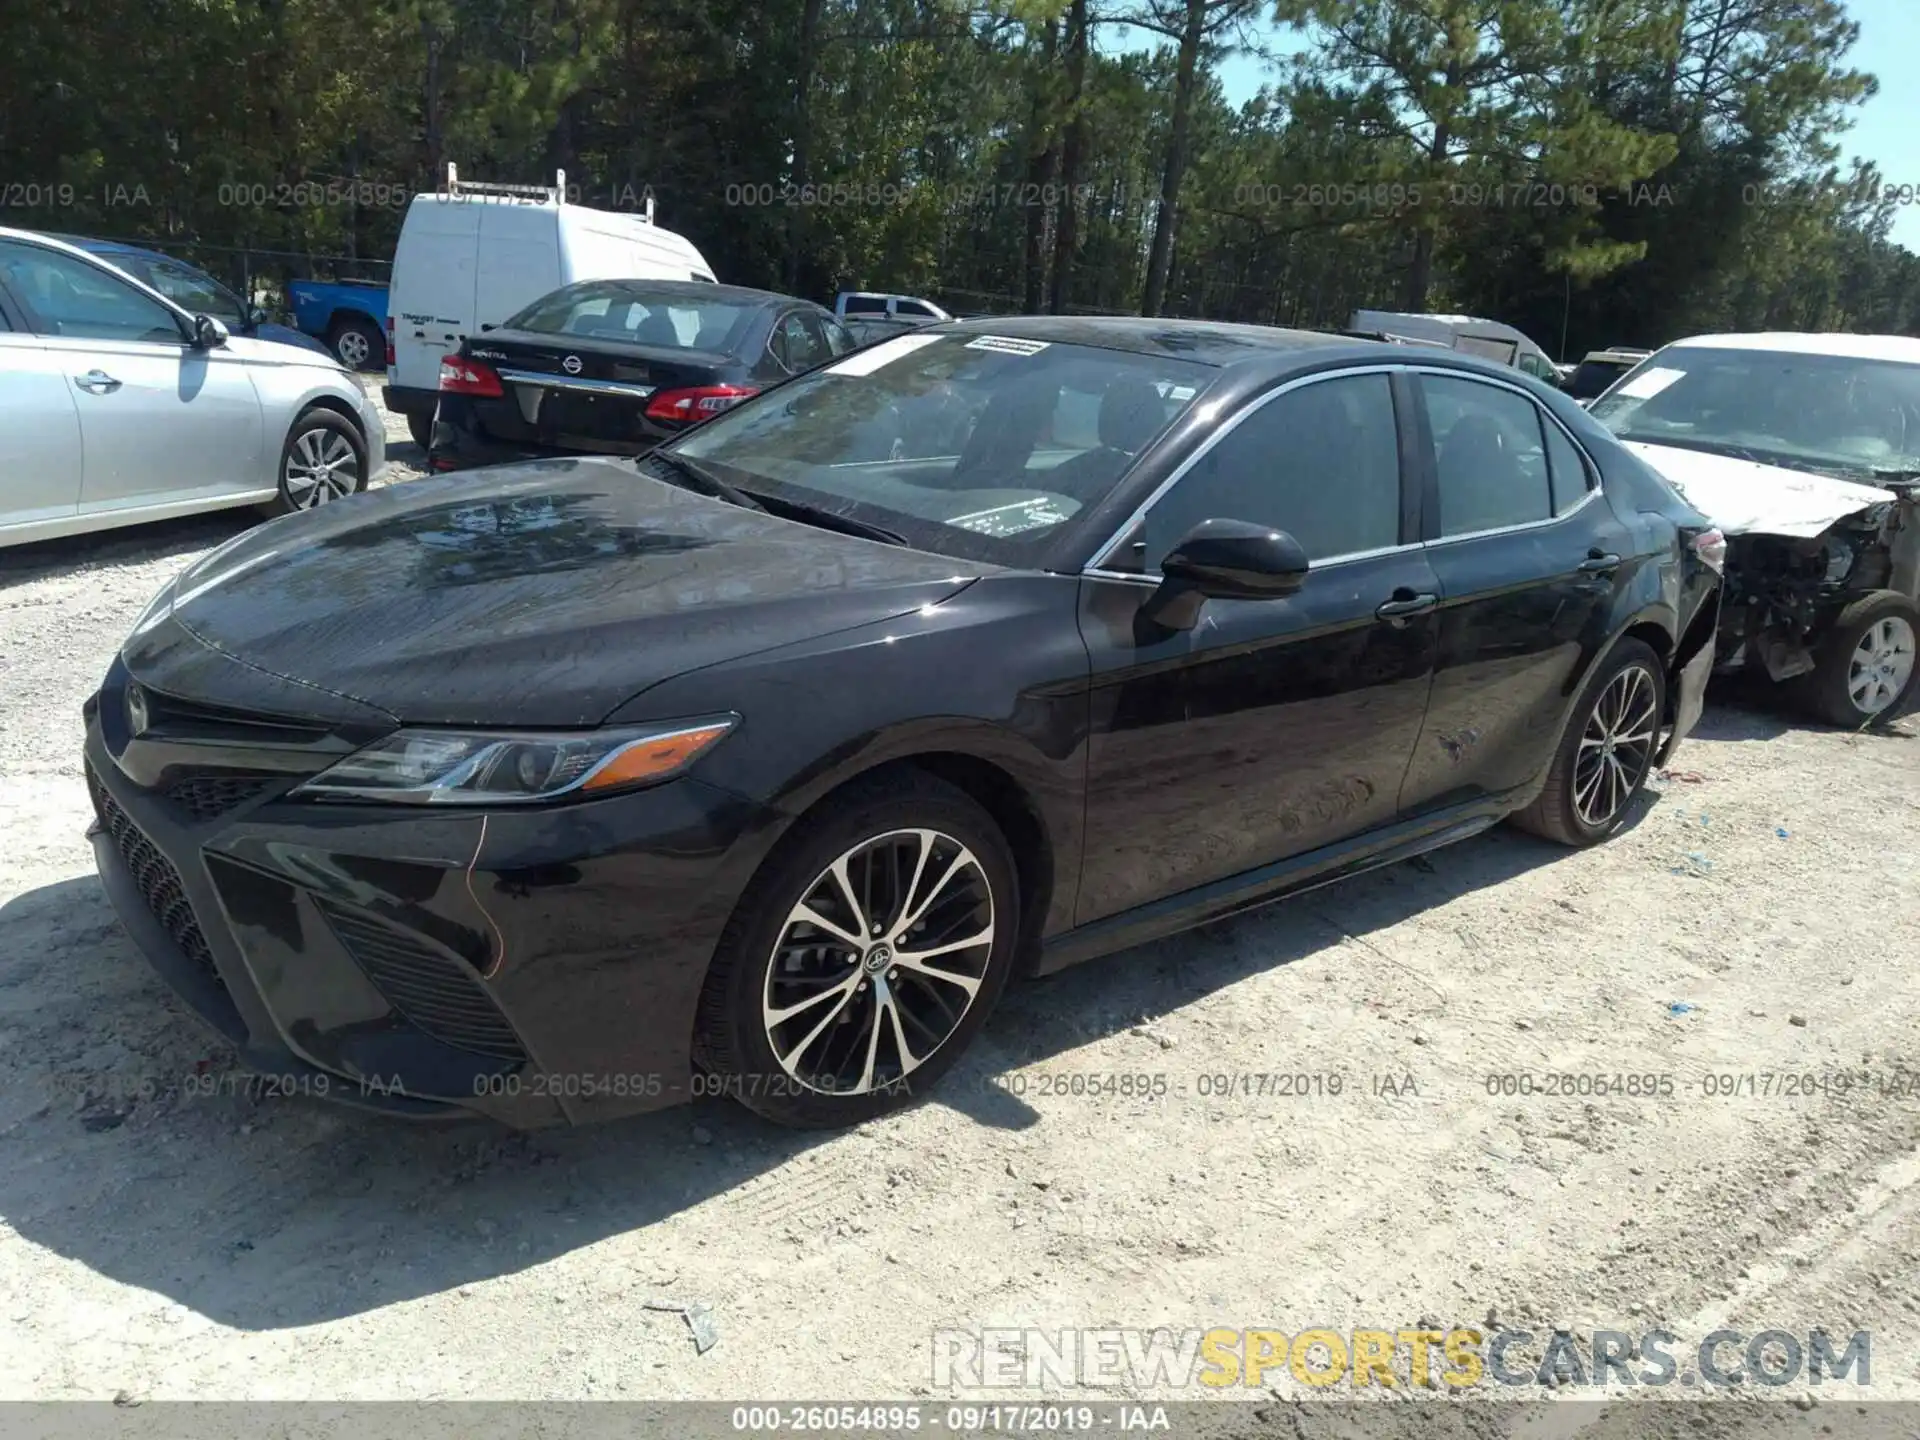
638, 313
966, 443
1828, 413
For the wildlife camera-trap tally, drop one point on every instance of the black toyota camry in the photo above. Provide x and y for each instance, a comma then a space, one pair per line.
575, 787
614, 367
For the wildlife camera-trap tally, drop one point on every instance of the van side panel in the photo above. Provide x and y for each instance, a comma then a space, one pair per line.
519, 260
430, 301
596, 245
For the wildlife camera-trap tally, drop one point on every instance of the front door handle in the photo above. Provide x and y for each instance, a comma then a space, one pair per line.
97, 382
1405, 605
1598, 562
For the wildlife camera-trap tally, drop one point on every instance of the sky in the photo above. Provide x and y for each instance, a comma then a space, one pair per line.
1886, 129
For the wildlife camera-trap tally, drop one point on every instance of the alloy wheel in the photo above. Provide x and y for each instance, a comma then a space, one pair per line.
879, 962
321, 466
352, 349
1616, 747
1881, 665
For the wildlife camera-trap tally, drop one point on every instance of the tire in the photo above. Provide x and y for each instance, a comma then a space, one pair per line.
356, 342
1865, 670
1584, 800
832, 1071
421, 428
323, 460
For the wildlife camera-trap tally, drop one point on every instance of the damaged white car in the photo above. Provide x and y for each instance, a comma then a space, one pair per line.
1805, 451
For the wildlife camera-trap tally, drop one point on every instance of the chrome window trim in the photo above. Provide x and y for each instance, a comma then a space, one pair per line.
1519, 529
622, 388
1105, 552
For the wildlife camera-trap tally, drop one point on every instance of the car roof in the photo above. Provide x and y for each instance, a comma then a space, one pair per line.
95, 246
1210, 342
1616, 353
1858, 347
703, 290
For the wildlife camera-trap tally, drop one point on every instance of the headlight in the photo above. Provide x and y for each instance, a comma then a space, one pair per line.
453, 767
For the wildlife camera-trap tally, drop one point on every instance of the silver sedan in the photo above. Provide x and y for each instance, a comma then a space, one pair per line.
118, 407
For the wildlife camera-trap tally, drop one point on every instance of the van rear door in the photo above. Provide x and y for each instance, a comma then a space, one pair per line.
519, 260
430, 303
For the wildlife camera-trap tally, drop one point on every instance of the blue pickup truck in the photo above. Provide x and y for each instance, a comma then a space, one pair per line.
348, 316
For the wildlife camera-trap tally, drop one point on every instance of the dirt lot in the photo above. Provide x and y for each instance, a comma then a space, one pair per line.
1762, 915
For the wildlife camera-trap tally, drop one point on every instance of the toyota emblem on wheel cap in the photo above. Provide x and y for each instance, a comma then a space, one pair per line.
571, 364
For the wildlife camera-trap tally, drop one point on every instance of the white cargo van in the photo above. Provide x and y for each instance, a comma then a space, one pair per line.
471, 255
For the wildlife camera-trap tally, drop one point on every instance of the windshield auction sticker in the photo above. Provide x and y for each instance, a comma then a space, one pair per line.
1007, 345
865, 362
1648, 384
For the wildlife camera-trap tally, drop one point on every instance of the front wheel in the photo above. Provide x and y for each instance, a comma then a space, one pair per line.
1606, 751
323, 460
863, 958
1864, 672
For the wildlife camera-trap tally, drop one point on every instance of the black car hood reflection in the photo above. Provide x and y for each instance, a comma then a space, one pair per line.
538, 594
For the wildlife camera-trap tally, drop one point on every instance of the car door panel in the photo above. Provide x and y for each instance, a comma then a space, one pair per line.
40, 452
163, 423
1271, 728
1524, 607
160, 420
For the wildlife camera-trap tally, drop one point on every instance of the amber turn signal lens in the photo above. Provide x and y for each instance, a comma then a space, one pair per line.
654, 757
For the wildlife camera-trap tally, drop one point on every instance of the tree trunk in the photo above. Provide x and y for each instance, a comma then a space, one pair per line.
1160, 255
1420, 267
430, 105
1043, 166
1073, 158
802, 127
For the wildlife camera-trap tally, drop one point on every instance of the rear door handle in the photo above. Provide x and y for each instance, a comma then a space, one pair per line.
96, 382
1599, 563
1405, 605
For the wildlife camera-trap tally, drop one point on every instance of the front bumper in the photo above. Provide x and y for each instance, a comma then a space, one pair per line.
538, 966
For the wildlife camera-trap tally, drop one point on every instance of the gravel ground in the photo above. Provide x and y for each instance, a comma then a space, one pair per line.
1762, 915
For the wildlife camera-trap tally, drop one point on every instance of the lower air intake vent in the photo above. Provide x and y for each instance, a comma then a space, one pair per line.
206, 797
159, 883
434, 991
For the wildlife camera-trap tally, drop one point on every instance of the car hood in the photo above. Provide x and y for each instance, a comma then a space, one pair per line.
1741, 496
543, 594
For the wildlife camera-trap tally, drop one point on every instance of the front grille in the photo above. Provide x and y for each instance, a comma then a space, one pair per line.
206, 797
429, 988
159, 883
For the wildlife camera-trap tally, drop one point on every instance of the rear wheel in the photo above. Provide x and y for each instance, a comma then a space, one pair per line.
1864, 673
863, 958
323, 460
421, 428
1605, 753
355, 342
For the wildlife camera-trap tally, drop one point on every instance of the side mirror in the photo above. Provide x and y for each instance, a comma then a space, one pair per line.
208, 333
257, 315
1225, 560
486, 327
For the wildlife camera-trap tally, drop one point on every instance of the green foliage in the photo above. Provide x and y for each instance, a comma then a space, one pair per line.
1625, 170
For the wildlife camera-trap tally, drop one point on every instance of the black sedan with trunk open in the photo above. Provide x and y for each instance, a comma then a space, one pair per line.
758, 766
614, 367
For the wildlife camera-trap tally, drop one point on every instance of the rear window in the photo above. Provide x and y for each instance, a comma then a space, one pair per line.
1592, 377
644, 315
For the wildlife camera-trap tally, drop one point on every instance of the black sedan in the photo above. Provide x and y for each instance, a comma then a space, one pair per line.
613, 367
748, 768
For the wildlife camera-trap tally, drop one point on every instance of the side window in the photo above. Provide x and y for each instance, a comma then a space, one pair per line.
1321, 462
800, 341
914, 307
73, 299
193, 291
1533, 365
864, 305
1490, 456
838, 340
1568, 469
